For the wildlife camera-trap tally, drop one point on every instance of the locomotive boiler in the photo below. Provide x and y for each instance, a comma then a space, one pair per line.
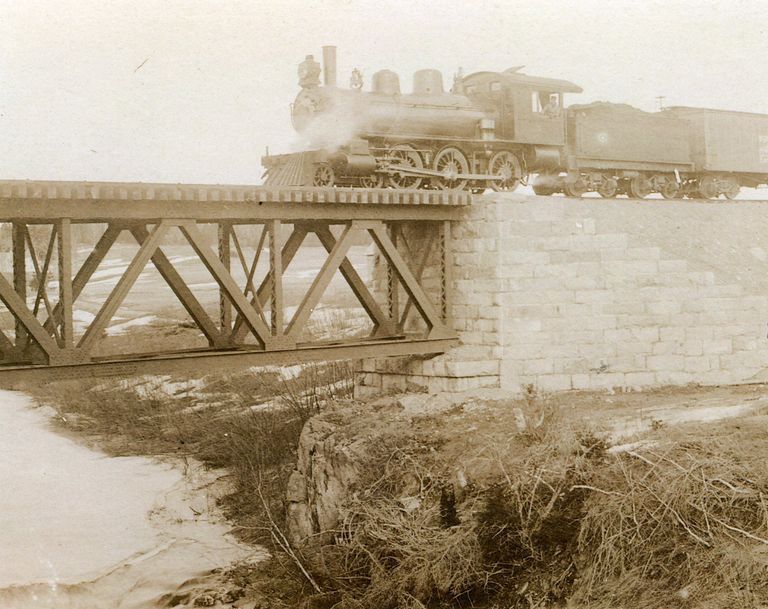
495, 129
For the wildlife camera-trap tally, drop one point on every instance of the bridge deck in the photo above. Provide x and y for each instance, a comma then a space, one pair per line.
85, 201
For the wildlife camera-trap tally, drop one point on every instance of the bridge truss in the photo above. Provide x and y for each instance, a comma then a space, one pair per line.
252, 228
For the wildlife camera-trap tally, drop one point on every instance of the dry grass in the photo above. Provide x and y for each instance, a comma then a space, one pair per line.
682, 525
248, 423
679, 525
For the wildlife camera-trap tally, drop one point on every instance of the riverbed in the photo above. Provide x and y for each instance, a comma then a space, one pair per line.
81, 530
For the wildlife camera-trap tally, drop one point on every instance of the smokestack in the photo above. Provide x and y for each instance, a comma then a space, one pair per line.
329, 66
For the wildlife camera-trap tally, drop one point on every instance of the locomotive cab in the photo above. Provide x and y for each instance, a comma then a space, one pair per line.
529, 109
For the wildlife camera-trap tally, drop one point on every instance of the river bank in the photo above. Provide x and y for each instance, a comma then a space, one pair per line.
82, 529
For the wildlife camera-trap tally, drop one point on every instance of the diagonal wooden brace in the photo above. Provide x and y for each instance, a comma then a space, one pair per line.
230, 287
383, 325
420, 299
24, 319
88, 268
322, 280
120, 291
292, 245
179, 287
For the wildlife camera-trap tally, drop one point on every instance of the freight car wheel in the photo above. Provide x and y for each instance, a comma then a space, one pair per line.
506, 165
639, 187
608, 188
575, 187
451, 162
324, 176
669, 189
708, 188
731, 189
407, 156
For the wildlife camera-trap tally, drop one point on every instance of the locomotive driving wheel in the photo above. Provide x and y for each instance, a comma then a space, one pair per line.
406, 156
324, 175
451, 162
507, 165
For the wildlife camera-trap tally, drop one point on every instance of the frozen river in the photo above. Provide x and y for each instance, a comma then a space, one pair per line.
79, 529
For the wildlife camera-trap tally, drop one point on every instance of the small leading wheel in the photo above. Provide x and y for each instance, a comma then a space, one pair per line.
639, 187
507, 165
669, 189
405, 155
375, 180
324, 175
608, 187
451, 162
708, 188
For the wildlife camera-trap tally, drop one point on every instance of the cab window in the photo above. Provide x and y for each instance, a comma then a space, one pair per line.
545, 102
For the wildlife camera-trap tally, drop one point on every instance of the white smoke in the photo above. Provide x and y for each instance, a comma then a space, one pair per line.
334, 127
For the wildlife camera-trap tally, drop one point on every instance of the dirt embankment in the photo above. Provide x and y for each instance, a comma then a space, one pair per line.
652, 500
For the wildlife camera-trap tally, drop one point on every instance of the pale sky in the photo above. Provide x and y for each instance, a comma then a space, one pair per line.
194, 90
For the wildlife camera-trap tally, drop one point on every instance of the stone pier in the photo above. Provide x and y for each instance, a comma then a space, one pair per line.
554, 294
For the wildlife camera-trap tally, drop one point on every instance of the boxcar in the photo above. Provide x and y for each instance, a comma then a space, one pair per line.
728, 142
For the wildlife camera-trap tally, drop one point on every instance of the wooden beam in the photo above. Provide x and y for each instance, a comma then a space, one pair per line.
410, 284
88, 268
422, 265
321, 281
382, 323
393, 286
124, 284
225, 256
27, 324
292, 245
179, 287
227, 283
19, 249
66, 294
276, 272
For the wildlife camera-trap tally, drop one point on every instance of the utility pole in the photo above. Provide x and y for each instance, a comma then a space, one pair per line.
660, 99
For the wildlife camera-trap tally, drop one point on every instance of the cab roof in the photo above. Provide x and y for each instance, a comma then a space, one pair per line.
514, 78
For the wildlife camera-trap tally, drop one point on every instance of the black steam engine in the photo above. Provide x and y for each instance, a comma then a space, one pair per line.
496, 129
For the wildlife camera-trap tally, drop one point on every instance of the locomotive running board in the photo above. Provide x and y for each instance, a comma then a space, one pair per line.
431, 173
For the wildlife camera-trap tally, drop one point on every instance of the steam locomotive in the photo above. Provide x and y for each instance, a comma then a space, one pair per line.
497, 129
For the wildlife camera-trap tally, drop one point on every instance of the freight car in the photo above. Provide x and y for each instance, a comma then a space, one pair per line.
495, 129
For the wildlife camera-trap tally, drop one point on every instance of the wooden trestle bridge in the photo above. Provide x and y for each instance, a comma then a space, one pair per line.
44, 276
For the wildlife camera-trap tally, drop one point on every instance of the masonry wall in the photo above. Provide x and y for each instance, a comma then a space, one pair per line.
561, 294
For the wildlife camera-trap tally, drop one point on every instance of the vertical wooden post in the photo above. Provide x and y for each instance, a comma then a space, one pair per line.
225, 255
393, 288
446, 272
18, 244
65, 282
276, 270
